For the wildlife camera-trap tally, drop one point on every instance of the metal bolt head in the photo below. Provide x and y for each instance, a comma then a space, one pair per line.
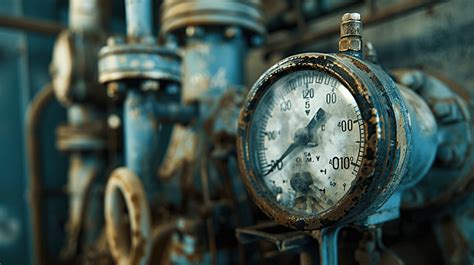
232, 32
115, 40
150, 85
351, 33
114, 121
114, 89
193, 31
350, 16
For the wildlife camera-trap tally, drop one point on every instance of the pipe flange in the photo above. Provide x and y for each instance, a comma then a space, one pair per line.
74, 68
87, 137
138, 61
123, 183
179, 14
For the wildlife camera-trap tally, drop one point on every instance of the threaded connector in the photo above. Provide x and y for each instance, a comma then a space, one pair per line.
351, 33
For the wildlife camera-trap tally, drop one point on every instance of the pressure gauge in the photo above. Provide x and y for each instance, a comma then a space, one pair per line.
323, 140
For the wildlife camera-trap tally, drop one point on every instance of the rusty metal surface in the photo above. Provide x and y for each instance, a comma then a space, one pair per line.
87, 15
74, 67
178, 15
375, 182
83, 172
284, 239
121, 61
85, 137
139, 18
125, 184
451, 105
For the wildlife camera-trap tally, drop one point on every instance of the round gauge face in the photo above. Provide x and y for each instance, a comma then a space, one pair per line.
307, 141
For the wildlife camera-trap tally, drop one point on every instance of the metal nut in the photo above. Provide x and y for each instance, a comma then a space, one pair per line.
350, 44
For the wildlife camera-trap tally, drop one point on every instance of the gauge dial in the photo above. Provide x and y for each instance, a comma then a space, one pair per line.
309, 140
322, 140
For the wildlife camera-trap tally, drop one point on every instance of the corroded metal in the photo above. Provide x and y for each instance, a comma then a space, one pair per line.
351, 34
86, 137
425, 138
284, 239
74, 63
450, 180
121, 61
385, 154
138, 13
177, 15
125, 184
74, 67
83, 172
86, 15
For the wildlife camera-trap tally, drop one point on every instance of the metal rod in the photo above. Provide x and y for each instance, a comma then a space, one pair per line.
293, 42
86, 15
31, 25
35, 187
328, 250
138, 17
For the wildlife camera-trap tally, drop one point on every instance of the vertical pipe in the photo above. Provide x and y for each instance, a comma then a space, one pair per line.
85, 15
138, 14
35, 188
141, 136
83, 170
213, 61
328, 246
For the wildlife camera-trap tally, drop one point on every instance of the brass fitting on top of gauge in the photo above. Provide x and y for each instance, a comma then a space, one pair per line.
351, 34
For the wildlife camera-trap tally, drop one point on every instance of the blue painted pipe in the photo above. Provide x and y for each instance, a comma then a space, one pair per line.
142, 129
212, 63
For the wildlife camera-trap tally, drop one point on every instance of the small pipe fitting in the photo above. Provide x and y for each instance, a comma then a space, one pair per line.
351, 34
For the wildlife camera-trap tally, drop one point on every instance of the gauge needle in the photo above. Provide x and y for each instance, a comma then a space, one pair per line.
317, 118
288, 151
302, 137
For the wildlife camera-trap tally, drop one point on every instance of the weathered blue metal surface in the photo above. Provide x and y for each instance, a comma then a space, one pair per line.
24, 67
142, 131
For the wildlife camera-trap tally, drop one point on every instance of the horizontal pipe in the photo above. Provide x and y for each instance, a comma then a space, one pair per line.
31, 25
176, 113
378, 17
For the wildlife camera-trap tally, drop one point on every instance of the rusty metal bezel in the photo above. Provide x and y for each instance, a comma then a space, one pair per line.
363, 194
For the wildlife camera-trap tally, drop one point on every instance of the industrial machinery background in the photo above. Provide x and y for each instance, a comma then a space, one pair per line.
153, 140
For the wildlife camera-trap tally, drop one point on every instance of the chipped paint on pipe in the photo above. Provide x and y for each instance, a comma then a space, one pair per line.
138, 14
425, 138
84, 169
212, 63
85, 15
142, 129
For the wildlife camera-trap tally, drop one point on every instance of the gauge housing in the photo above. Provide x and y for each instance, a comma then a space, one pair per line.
387, 134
